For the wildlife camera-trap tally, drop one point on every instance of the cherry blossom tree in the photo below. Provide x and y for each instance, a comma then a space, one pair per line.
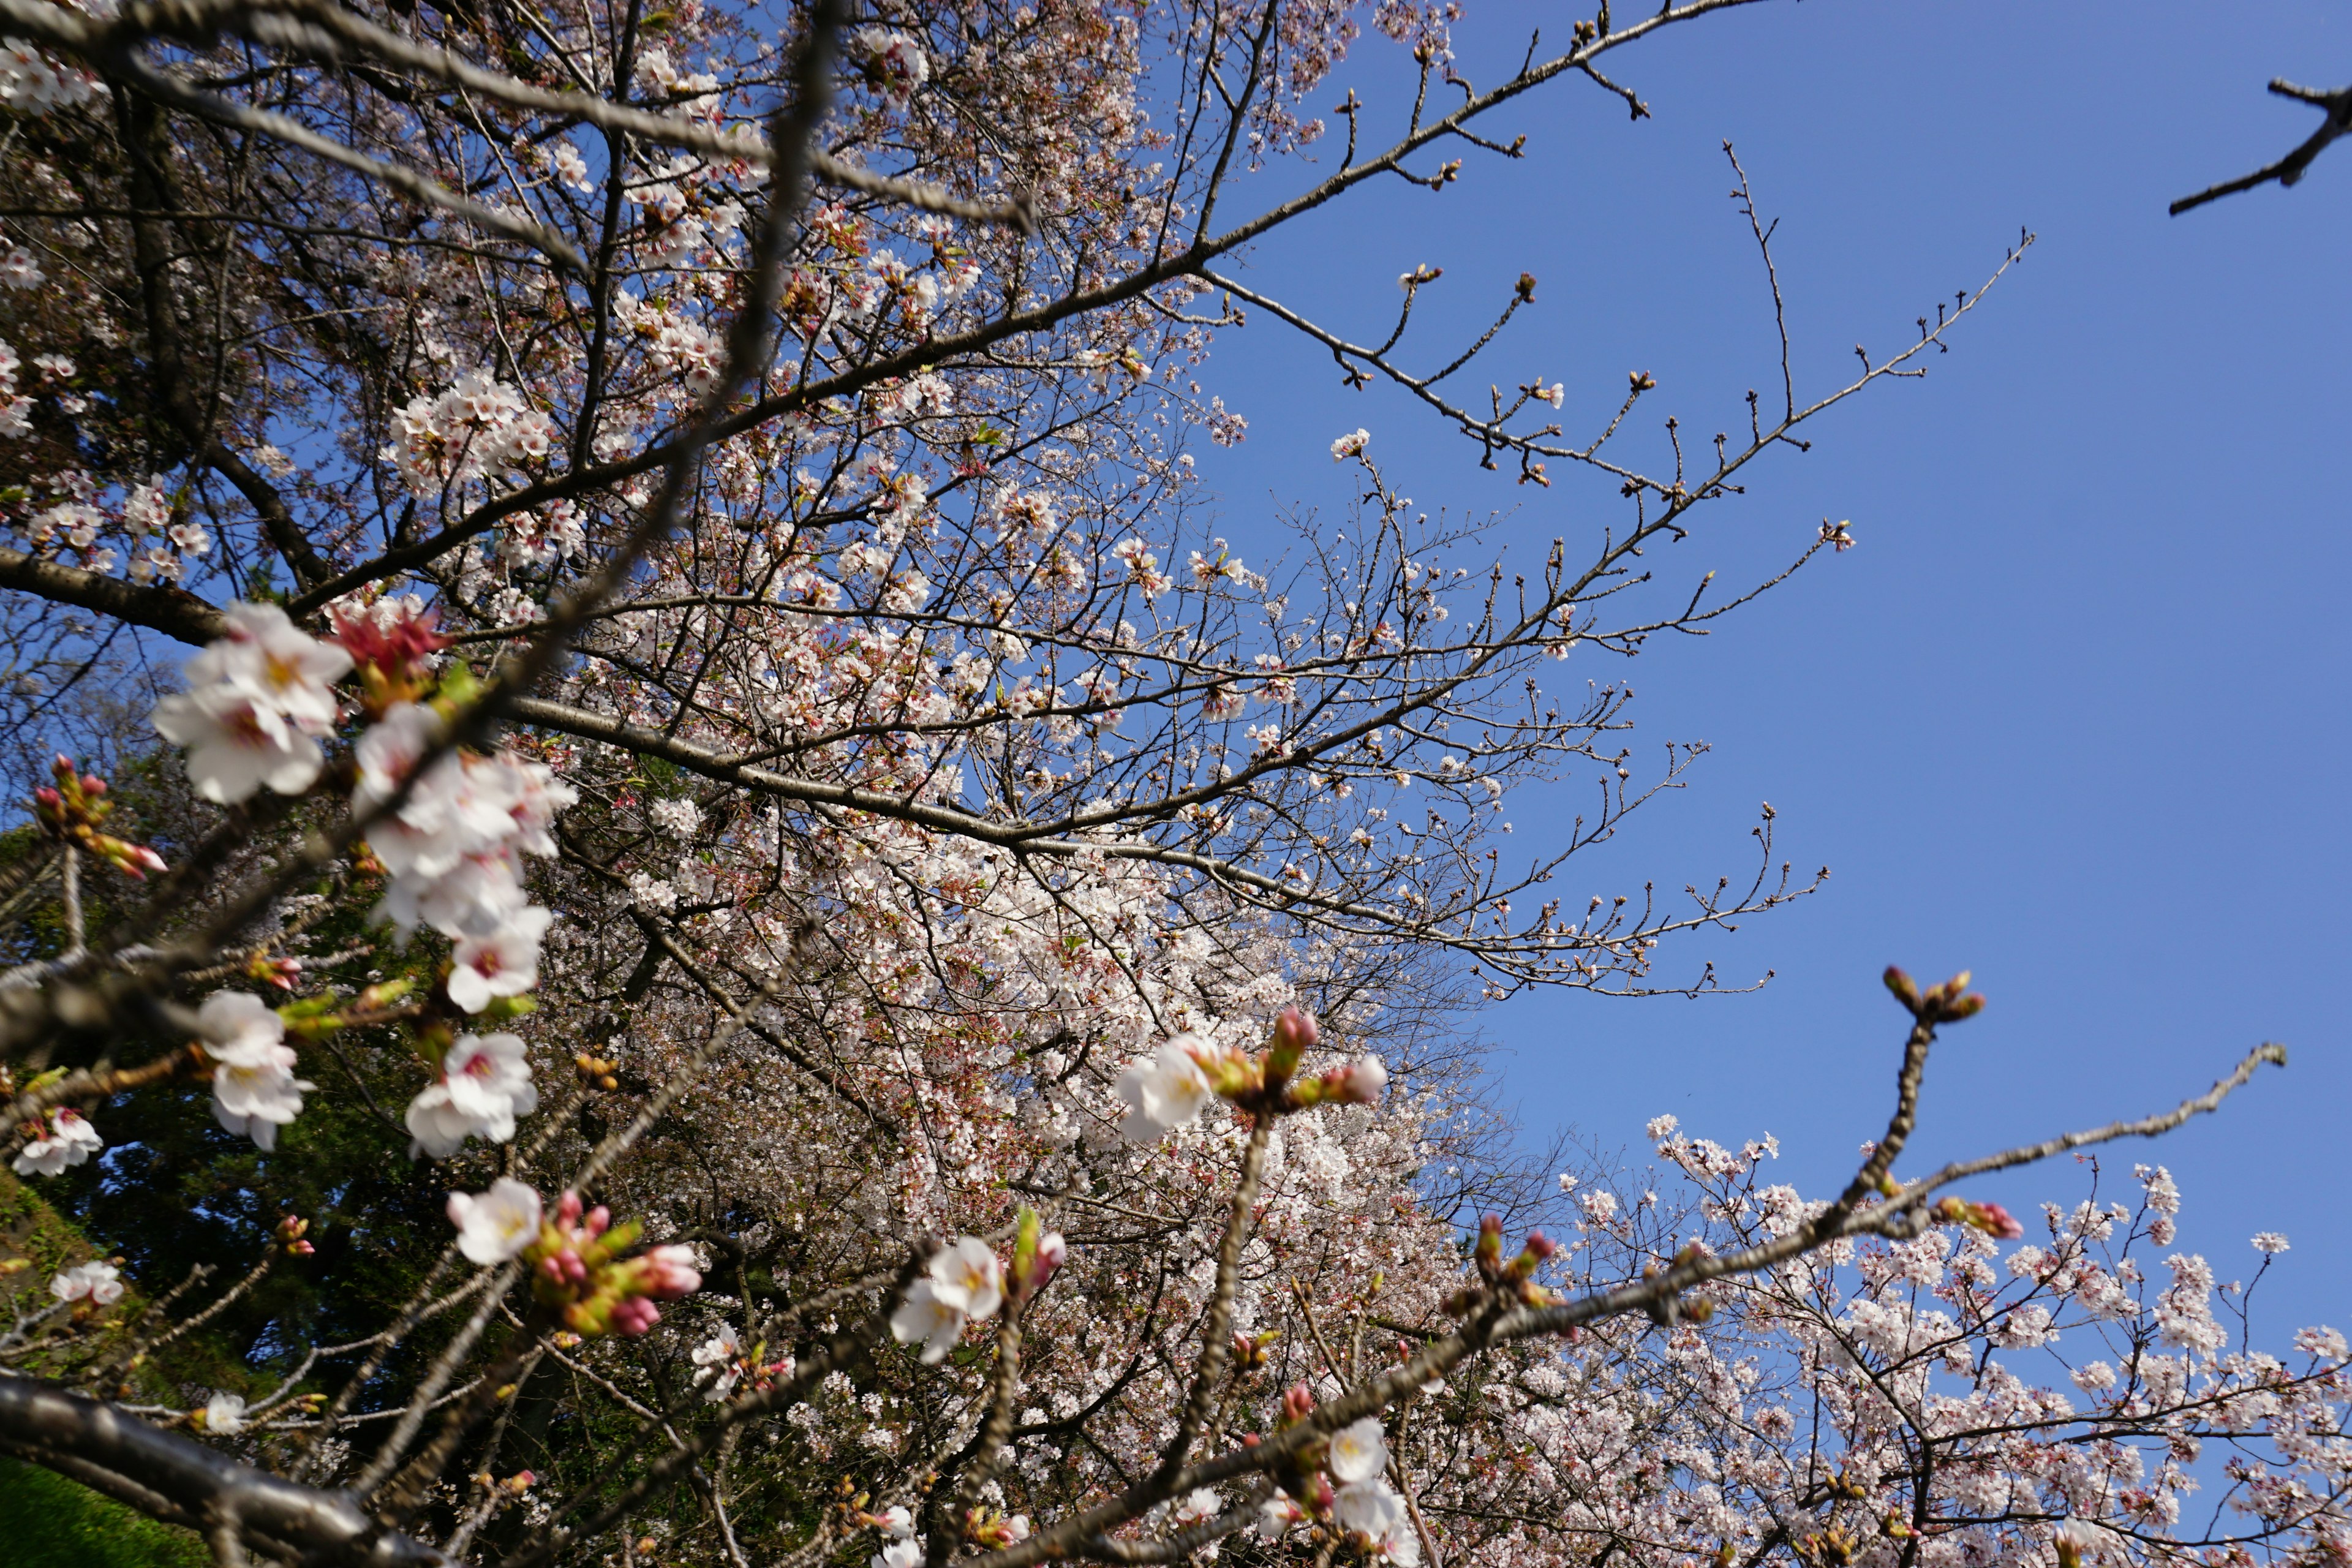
735, 942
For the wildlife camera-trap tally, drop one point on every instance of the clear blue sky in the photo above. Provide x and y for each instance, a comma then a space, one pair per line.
2071, 712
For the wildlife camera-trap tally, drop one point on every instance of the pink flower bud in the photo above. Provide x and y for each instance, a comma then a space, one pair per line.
567, 1209
634, 1316
2000, 1222
600, 1220
669, 1273
1293, 1033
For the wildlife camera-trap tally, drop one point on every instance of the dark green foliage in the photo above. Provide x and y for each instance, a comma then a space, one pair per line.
52, 1522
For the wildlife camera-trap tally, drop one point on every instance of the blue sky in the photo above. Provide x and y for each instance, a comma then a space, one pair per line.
2071, 714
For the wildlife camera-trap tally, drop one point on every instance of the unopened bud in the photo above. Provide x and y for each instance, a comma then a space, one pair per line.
1294, 1035
1905, 991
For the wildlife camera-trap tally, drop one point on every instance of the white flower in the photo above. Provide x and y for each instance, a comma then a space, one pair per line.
649, 891
1166, 1091
236, 745
256, 700
716, 1356
70, 1141
503, 963
1275, 1515
906, 1554
1369, 1508
236, 1024
473, 898
2270, 1241
100, 1284
679, 817
968, 1277
255, 1092
924, 1315
254, 1098
224, 1414
899, 1522
485, 1084
1661, 1127
1360, 1450
1348, 445
495, 1225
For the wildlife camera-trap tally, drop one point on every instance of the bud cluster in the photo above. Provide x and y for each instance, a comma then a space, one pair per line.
1946, 1004
1991, 1218
1515, 1278
577, 1268
72, 809
1176, 1083
290, 1233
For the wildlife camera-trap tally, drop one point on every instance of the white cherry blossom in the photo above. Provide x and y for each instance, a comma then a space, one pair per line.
257, 702
70, 1141
485, 1084
503, 963
255, 1092
495, 1225
968, 1277
1168, 1089
928, 1316
100, 1284
1359, 1451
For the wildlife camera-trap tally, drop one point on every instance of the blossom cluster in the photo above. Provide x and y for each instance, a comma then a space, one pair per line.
480, 427
255, 1092
257, 702
966, 1282
65, 1140
33, 83
1351, 1492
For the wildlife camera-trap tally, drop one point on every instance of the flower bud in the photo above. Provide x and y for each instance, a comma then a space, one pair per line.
1037, 1254
1905, 991
1296, 1404
634, 1315
1489, 1253
1294, 1035
668, 1273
